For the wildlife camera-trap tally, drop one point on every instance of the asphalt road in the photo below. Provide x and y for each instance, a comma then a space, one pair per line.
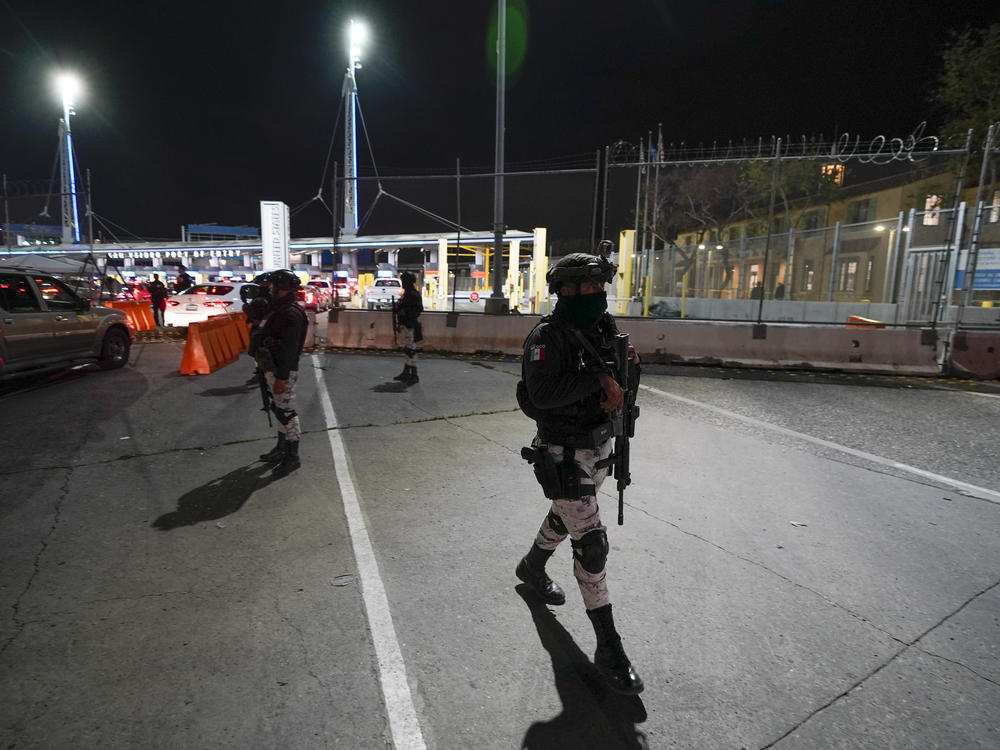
805, 563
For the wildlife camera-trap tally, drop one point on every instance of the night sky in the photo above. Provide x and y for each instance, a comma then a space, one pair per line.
196, 111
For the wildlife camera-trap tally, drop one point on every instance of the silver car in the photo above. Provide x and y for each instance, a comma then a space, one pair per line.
44, 324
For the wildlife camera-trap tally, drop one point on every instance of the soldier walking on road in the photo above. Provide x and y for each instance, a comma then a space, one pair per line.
406, 318
283, 332
568, 390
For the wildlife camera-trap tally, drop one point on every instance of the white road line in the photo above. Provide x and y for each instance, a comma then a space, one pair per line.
403, 722
971, 489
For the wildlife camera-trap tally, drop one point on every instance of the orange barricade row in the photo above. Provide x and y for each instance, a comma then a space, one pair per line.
140, 314
214, 343
856, 321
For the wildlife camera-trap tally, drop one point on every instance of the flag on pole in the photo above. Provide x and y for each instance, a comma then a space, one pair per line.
642, 156
652, 149
660, 153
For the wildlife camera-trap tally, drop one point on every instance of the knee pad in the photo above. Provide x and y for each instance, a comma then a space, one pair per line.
591, 550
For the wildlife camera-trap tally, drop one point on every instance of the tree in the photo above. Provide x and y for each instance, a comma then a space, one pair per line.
969, 85
707, 198
801, 183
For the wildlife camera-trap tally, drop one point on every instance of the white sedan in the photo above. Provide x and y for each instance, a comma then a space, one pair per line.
200, 302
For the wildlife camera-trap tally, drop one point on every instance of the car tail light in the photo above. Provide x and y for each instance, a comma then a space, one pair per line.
172, 303
222, 303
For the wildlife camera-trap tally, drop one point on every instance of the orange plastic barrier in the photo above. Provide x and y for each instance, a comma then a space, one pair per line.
856, 321
213, 344
140, 314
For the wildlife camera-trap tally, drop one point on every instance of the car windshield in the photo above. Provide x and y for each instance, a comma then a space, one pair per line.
215, 290
387, 282
318, 283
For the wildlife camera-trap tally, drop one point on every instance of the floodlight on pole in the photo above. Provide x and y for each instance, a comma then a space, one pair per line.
68, 87
356, 36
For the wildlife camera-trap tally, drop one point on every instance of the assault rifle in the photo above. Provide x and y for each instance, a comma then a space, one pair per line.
265, 395
623, 421
264, 362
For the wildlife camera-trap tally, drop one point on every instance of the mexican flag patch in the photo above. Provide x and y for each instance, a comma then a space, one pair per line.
536, 353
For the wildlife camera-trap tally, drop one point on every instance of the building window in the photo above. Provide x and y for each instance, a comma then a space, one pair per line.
847, 275
754, 275
932, 211
808, 276
733, 234
869, 273
995, 208
861, 210
833, 172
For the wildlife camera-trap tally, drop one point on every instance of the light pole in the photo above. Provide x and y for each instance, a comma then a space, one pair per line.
68, 86
497, 304
355, 38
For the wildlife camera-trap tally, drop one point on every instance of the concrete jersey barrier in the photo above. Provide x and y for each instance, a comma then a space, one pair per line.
907, 351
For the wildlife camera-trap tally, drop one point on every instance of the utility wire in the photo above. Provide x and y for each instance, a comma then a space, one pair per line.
329, 151
425, 212
368, 139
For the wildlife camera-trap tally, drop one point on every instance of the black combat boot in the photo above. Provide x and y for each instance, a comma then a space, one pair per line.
404, 375
531, 570
289, 462
412, 379
610, 658
276, 453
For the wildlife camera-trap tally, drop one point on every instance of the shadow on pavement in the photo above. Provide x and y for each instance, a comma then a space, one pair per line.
220, 497
593, 715
389, 388
233, 390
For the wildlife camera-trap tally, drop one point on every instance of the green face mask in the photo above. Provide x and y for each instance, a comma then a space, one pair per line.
582, 310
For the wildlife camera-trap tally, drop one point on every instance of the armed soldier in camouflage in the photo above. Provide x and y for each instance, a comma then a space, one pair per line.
568, 388
282, 334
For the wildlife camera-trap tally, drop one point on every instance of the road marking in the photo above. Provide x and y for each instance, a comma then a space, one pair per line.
403, 722
980, 492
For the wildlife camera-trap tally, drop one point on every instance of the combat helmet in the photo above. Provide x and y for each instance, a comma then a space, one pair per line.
283, 279
576, 268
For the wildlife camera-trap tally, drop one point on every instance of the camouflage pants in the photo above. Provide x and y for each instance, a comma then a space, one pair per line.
284, 405
575, 516
410, 348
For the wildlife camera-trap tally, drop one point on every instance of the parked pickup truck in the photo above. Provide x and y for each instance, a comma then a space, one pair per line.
383, 293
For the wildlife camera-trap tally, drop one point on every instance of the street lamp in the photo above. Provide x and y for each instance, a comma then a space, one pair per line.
68, 87
356, 37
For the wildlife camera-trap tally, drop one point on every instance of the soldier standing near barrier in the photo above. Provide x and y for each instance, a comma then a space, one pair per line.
158, 297
283, 332
570, 391
406, 319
